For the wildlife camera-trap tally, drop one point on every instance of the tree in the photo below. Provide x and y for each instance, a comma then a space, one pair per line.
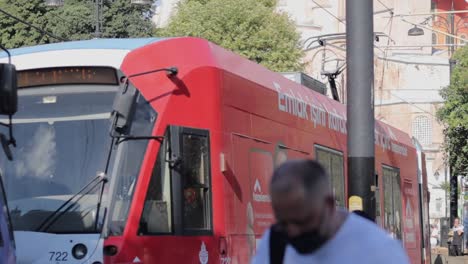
126, 20
15, 34
454, 114
250, 28
72, 21
121, 19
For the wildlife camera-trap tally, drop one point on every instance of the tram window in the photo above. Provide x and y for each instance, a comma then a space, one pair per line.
196, 181
377, 201
332, 161
337, 174
157, 213
392, 201
127, 166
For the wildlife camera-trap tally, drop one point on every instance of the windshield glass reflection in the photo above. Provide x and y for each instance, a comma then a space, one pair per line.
62, 144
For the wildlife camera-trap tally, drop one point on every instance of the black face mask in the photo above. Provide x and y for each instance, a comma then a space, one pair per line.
308, 242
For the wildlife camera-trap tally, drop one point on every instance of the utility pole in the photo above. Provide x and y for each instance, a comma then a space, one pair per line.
452, 30
360, 105
98, 6
453, 177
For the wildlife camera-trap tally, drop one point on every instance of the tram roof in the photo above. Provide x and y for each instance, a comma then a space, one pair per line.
110, 43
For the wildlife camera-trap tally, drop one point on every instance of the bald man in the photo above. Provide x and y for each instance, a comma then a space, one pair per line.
311, 230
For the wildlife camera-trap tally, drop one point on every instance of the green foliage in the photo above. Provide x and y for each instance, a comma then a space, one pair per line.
125, 20
14, 34
445, 186
75, 20
454, 114
250, 28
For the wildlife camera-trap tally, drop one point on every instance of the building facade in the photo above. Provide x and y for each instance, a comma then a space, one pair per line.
409, 70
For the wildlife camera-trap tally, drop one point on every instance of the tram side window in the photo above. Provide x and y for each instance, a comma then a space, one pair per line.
392, 201
332, 161
377, 201
157, 213
196, 182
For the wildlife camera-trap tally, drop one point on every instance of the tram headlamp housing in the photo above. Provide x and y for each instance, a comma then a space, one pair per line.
79, 251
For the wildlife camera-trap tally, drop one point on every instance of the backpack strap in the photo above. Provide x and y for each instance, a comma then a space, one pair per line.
278, 244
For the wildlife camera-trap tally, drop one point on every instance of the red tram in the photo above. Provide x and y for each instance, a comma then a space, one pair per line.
223, 124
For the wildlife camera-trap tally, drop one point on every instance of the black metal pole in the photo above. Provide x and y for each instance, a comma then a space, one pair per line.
331, 81
453, 196
360, 102
453, 177
452, 31
98, 5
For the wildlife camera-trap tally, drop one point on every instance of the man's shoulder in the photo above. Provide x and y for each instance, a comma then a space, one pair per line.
373, 240
368, 232
358, 224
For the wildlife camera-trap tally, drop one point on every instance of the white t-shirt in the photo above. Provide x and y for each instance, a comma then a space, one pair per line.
459, 227
357, 241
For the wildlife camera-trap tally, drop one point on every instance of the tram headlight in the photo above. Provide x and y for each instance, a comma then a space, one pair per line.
79, 251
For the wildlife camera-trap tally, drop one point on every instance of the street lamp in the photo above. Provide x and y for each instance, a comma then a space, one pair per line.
141, 2
54, 3
415, 31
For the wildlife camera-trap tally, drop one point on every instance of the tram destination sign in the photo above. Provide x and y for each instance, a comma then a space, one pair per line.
67, 75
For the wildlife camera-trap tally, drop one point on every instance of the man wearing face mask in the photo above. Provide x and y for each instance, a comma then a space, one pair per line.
311, 230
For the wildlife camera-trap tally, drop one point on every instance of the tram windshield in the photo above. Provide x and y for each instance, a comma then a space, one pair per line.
62, 144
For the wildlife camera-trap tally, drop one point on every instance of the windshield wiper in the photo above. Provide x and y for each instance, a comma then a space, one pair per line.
54, 216
101, 193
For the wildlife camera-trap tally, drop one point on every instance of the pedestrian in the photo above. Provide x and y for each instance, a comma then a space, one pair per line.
457, 237
310, 229
434, 236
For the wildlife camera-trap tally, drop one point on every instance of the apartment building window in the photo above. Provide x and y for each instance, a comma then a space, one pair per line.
439, 205
434, 39
463, 42
422, 130
448, 40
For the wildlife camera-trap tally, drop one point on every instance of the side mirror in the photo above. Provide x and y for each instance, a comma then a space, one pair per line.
8, 103
8, 89
123, 108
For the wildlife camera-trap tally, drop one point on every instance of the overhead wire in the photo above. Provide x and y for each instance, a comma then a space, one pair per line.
411, 104
385, 51
384, 61
385, 7
330, 13
341, 20
61, 18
